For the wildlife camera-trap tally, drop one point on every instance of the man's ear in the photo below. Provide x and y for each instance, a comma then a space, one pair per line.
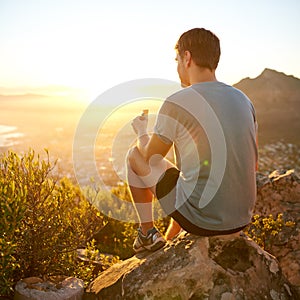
187, 58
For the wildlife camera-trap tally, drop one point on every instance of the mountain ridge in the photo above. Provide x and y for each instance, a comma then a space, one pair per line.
276, 98
267, 72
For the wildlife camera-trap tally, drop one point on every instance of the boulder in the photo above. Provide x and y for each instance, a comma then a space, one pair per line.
280, 193
220, 267
192, 267
50, 288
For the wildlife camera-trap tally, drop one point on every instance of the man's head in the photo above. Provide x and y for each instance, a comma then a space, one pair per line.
203, 45
199, 45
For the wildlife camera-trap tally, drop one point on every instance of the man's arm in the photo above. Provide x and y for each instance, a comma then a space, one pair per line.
154, 145
149, 146
256, 140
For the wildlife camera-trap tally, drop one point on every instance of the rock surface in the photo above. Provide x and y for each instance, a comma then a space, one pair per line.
191, 267
221, 267
280, 193
52, 288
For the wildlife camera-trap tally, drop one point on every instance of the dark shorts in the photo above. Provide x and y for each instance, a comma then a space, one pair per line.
166, 194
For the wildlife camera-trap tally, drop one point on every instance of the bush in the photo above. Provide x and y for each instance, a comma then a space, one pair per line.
43, 221
117, 236
12, 212
264, 230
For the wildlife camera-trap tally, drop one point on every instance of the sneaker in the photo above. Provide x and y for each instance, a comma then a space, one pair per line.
151, 242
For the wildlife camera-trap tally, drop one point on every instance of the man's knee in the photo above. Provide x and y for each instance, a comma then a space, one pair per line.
131, 156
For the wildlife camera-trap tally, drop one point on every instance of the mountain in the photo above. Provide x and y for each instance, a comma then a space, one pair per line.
276, 98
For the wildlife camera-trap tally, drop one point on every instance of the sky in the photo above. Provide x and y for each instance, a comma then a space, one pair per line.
93, 44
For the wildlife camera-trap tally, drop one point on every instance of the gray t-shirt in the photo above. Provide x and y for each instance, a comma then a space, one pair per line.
213, 129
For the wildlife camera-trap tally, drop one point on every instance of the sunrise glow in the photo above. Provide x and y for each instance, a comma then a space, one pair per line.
92, 45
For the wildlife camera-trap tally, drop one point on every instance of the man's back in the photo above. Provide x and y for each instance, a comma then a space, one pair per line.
212, 126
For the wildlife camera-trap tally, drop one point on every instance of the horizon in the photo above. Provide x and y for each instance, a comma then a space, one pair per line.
37, 122
80, 95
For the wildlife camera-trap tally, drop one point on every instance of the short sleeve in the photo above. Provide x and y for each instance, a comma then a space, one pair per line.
166, 124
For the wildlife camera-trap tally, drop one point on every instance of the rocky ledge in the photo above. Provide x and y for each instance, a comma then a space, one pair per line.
191, 267
280, 193
220, 267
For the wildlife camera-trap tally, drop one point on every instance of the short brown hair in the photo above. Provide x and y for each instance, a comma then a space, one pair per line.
203, 45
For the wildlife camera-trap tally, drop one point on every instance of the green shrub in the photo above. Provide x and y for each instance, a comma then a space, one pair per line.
12, 207
264, 230
43, 221
117, 236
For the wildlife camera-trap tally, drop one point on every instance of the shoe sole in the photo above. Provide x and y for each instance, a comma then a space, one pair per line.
159, 244
156, 246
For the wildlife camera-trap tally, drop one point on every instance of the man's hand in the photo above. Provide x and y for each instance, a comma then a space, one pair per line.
146, 145
139, 125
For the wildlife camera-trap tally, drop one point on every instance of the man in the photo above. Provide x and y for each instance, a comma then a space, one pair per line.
211, 189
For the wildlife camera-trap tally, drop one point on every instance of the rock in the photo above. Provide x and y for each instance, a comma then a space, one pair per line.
280, 193
221, 267
191, 267
277, 192
52, 288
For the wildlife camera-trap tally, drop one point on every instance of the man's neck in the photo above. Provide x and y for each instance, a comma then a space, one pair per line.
198, 75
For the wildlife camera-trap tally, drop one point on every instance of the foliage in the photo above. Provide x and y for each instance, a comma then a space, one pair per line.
264, 230
118, 235
43, 221
12, 212
93, 263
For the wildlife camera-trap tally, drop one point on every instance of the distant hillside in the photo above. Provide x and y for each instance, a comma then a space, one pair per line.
276, 97
39, 102
22, 97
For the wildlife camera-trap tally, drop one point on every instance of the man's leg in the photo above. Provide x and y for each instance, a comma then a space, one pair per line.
142, 179
142, 198
173, 229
